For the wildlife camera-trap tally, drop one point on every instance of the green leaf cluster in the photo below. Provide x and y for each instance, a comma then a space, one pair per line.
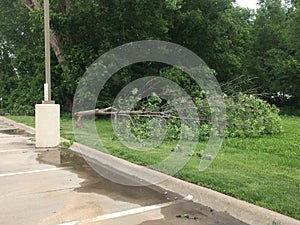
249, 51
246, 116
249, 116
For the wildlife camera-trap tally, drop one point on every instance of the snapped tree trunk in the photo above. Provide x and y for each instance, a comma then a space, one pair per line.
55, 40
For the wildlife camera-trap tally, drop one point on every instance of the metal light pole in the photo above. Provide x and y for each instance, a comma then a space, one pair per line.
47, 115
47, 86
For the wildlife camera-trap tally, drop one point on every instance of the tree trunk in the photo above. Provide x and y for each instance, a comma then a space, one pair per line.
55, 41
68, 5
55, 44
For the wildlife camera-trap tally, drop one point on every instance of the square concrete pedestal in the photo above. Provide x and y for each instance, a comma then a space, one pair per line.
47, 125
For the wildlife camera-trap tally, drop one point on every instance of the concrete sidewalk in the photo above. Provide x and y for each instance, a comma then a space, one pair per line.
58, 187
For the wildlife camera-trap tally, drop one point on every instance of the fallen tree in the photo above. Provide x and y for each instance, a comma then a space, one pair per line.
246, 116
114, 112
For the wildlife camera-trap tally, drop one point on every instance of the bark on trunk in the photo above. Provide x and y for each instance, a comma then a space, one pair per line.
55, 44
68, 4
169, 114
55, 41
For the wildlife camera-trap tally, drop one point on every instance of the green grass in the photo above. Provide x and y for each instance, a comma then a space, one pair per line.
264, 171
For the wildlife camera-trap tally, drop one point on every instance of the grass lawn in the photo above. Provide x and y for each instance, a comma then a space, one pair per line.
264, 171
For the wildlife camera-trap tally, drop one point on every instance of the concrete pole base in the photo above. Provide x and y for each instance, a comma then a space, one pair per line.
47, 125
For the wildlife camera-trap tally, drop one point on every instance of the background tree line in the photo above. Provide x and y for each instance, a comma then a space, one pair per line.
248, 51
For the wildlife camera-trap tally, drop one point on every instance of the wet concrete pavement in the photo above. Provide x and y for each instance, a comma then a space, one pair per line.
58, 186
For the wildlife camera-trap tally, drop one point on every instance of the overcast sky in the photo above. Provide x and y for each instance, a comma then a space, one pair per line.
248, 3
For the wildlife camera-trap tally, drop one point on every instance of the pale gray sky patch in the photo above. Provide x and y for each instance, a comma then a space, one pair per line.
251, 4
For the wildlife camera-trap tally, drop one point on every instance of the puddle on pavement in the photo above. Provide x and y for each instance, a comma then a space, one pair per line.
95, 183
190, 213
14, 131
182, 213
15, 138
11, 131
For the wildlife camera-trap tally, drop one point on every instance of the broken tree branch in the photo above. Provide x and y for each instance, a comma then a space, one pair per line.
168, 114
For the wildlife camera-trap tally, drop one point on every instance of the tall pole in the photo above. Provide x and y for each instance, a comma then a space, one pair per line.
1, 106
47, 115
47, 86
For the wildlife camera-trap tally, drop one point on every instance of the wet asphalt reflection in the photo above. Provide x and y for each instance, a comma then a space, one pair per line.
180, 213
59, 186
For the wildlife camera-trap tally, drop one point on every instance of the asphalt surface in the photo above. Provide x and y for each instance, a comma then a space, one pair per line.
55, 186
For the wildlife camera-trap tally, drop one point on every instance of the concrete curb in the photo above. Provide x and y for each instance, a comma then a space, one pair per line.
21, 126
241, 210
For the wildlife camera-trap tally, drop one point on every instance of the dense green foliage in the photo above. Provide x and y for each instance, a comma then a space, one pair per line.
248, 116
248, 51
264, 171
259, 50
275, 51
